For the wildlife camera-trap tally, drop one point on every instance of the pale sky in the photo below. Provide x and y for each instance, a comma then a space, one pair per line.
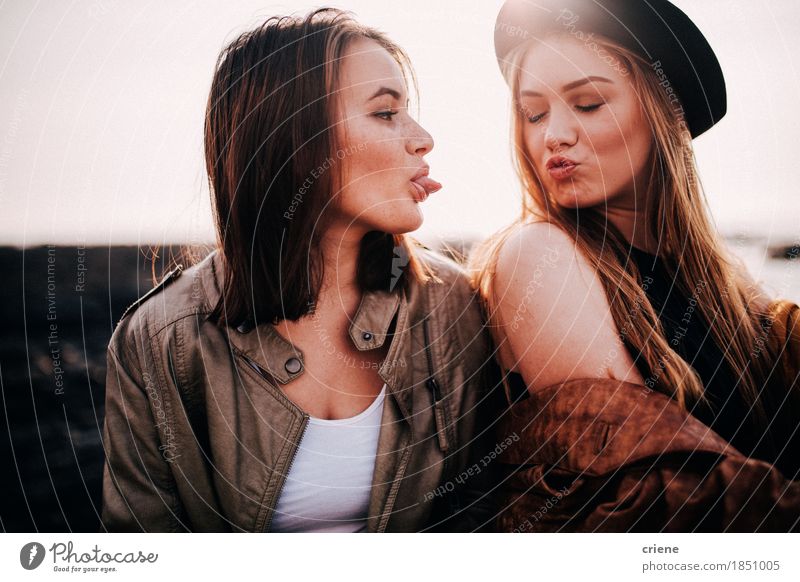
102, 114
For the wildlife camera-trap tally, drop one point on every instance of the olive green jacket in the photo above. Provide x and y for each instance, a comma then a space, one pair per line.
199, 435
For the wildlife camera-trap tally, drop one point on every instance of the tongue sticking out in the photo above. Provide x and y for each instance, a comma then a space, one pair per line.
428, 184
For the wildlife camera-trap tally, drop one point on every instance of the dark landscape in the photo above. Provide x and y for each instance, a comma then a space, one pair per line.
58, 309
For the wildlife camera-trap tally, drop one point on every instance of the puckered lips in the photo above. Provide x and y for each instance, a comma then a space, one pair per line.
561, 167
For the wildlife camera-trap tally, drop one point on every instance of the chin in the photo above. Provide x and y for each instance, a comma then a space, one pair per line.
569, 199
576, 199
403, 220
403, 226
398, 219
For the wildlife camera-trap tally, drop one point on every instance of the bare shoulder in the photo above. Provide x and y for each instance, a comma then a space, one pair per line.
540, 255
554, 310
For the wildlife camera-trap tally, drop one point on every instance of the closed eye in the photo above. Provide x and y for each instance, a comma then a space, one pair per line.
581, 108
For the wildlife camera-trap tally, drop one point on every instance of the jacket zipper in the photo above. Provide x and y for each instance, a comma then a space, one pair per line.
282, 478
387, 511
303, 425
433, 386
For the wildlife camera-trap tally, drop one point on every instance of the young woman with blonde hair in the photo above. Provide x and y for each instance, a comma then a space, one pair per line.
657, 383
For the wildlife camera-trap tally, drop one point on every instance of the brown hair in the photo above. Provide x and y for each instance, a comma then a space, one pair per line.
689, 245
269, 128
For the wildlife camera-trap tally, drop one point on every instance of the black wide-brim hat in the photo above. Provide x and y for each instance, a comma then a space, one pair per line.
655, 29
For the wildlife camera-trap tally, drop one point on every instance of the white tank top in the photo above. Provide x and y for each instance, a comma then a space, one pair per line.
328, 485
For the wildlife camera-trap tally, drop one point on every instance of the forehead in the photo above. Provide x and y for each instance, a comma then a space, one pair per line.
366, 65
561, 59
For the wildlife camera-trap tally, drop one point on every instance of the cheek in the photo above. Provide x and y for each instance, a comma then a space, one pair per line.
621, 151
533, 141
641, 139
370, 179
633, 135
368, 163
608, 140
375, 184
368, 155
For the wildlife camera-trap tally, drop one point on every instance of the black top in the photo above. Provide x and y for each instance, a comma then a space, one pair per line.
688, 334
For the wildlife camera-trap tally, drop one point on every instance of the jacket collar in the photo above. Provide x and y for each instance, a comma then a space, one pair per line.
368, 330
594, 426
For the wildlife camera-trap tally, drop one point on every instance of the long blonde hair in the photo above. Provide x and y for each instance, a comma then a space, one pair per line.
689, 244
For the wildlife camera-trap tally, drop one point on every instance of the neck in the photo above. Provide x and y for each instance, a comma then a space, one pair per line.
340, 255
339, 295
630, 216
634, 226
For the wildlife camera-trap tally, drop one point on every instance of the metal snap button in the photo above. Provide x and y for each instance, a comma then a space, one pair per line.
367, 336
293, 365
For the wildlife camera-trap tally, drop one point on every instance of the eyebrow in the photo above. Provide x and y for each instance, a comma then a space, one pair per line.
572, 85
385, 91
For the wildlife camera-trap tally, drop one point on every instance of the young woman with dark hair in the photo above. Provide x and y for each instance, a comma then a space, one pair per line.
318, 371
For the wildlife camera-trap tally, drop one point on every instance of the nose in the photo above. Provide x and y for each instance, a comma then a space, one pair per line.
420, 142
561, 131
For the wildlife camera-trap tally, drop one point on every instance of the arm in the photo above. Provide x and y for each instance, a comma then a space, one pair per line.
553, 311
138, 488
